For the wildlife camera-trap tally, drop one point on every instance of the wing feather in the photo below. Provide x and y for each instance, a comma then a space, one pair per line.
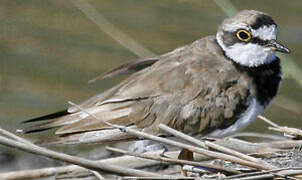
127, 68
183, 89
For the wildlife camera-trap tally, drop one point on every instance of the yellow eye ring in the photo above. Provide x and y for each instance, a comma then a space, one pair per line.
243, 35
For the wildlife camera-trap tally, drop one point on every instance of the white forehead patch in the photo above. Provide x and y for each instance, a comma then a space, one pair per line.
266, 32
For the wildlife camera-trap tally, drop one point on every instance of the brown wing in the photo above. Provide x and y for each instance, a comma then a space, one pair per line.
127, 68
188, 89
120, 105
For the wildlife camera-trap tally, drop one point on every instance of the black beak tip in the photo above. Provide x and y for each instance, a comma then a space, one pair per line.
287, 51
277, 46
284, 50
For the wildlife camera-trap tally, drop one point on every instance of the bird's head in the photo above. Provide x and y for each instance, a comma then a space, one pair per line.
250, 38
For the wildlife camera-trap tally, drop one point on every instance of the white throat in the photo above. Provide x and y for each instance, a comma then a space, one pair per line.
250, 54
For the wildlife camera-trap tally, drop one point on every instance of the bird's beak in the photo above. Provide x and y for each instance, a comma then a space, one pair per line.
277, 46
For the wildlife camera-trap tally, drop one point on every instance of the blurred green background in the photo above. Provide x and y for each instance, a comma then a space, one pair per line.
50, 49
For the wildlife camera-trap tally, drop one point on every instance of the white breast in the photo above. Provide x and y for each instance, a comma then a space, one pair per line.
251, 113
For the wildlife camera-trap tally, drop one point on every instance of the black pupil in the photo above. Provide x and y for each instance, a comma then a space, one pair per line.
243, 35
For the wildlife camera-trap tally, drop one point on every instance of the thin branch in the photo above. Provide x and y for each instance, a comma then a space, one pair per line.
182, 135
198, 150
245, 147
284, 129
40, 173
268, 121
91, 165
270, 175
174, 161
155, 178
97, 175
75, 160
234, 153
287, 130
255, 173
207, 144
180, 145
14, 137
217, 147
125, 161
258, 135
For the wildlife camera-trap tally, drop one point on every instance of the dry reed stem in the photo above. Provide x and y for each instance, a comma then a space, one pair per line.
258, 135
268, 121
181, 145
209, 144
182, 135
125, 161
175, 161
234, 153
288, 130
40, 173
282, 172
291, 131
151, 178
14, 137
198, 150
28, 146
97, 175
215, 146
131, 131
75, 160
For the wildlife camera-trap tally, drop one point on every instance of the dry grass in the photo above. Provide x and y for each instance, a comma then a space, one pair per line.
230, 152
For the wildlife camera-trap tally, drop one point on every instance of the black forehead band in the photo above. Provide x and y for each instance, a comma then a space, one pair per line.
262, 20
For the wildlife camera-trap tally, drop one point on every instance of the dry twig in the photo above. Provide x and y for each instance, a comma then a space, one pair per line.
124, 161
287, 130
74, 160
176, 161
244, 158
180, 145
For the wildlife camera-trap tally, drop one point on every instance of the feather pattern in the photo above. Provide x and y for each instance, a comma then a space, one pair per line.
127, 68
194, 89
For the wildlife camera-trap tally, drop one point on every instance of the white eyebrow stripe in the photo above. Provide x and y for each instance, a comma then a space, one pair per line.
266, 32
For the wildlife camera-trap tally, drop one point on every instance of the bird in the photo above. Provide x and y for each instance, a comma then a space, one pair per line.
214, 87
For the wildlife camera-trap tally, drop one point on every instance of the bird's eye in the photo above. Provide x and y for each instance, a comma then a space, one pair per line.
243, 35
